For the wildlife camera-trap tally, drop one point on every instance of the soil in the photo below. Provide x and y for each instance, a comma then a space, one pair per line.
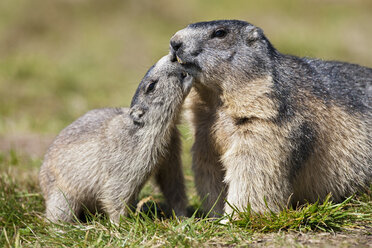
360, 237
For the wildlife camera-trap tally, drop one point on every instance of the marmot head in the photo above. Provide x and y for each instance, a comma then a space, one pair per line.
214, 51
160, 93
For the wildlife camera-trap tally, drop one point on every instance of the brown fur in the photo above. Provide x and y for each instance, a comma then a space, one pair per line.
273, 126
253, 149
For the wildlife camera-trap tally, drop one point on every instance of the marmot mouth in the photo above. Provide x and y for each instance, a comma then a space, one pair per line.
179, 60
187, 64
192, 67
175, 57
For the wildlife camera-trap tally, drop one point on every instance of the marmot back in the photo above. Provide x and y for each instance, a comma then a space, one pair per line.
271, 125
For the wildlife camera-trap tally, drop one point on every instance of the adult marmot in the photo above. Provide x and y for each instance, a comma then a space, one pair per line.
273, 126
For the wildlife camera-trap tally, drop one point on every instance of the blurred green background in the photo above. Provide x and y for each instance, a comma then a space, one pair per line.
60, 58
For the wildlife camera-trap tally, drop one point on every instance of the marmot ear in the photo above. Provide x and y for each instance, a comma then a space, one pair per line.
252, 34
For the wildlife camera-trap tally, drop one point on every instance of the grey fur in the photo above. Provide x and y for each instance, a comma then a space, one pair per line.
276, 126
102, 160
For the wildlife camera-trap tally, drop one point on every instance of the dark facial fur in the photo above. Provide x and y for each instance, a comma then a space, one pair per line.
211, 50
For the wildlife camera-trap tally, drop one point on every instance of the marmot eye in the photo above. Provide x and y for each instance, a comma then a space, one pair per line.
151, 87
219, 33
183, 75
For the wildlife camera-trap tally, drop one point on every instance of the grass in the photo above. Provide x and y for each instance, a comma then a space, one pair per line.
65, 57
61, 58
325, 216
22, 222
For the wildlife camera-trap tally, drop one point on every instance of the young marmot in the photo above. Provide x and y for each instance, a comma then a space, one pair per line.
102, 160
273, 126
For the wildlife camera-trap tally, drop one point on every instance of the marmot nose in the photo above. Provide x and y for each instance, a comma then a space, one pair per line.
136, 114
175, 45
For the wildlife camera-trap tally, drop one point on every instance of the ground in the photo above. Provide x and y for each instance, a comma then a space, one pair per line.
21, 207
